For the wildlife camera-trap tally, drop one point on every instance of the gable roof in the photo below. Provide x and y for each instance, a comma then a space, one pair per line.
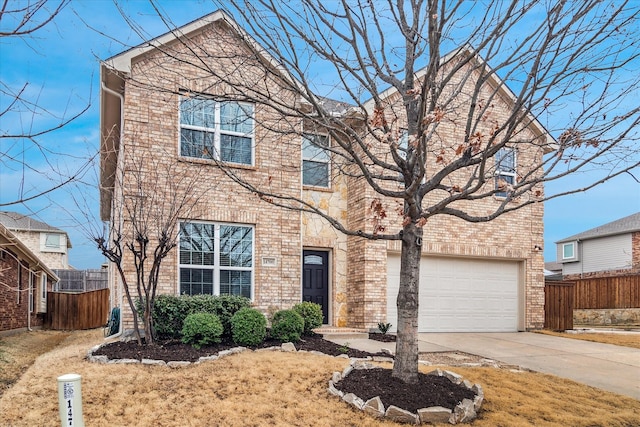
502, 89
21, 249
628, 224
18, 222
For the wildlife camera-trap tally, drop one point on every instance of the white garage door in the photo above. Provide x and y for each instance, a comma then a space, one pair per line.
460, 294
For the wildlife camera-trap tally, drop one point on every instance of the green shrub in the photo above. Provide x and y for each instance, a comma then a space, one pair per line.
170, 311
384, 327
287, 326
311, 313
248, 326
201, 329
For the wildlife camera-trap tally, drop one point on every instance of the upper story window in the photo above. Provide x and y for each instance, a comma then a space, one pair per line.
221, 130
315, 160
505, 170
569, 251
52, 242
216, 259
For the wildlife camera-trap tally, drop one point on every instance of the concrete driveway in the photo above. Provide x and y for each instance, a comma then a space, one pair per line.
604, 366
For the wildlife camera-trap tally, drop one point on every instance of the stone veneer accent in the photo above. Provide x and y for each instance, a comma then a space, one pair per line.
465, 412
606, 317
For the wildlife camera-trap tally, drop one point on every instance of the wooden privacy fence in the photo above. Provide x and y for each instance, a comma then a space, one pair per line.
82, 280
73, 311
558, 305
608, 292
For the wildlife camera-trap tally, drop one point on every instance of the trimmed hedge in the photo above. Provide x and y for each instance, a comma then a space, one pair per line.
311, 313
248, 326
287, 326
201, 329
170, 311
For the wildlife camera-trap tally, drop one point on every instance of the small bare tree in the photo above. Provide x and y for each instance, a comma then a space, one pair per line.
153, 197
437, 97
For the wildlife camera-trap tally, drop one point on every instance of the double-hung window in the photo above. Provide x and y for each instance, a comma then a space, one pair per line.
216, 259
505, 170
315, 160
221, 130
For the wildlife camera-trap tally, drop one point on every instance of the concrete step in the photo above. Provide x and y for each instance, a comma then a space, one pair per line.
329, 333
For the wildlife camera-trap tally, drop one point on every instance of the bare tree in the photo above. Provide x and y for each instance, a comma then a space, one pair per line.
155, 197
21, 111
436, 97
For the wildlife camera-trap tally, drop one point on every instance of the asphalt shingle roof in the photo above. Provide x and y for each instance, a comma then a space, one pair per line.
17, 221
628, 224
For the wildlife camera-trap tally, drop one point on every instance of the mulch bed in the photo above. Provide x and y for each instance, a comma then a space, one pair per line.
382, 337
365, 383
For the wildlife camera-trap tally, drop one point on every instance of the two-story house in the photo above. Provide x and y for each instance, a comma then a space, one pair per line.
610, 249
49, 243
24, 282
157, 105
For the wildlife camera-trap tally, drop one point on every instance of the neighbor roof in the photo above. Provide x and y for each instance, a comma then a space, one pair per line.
628, 224
16, 244
18, 222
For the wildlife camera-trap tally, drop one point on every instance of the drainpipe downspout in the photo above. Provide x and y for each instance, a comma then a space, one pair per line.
120, 148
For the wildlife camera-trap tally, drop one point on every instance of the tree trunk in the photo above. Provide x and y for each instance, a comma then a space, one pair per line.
405, 366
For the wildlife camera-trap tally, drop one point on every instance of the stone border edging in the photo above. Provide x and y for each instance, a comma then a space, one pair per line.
464, 412
285, 347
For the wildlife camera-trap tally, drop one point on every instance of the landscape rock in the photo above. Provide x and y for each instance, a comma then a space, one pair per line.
434, 414
464, 412
153, 362
333, 390
399, 415
353, 400
374, 407
337, 376
453, 377
124, 361
178, 364
382, 359
288, 347
99, 359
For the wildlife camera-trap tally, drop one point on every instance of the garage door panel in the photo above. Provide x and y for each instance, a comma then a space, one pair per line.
461, 294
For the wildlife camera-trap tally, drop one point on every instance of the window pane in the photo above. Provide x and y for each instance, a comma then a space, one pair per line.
196, 281
312, 148
196, 244
236, 117
235, 149
567, 251
197, 112
194, 143
52, 241
506, 160
235, 283
236, 246
315, 173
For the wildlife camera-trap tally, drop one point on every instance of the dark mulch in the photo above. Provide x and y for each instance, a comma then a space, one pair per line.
382, 337
364, 383
176, 351
430, 390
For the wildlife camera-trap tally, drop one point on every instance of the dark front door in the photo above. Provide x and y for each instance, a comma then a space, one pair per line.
315, 280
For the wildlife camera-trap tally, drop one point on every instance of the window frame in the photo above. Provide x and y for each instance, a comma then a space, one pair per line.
574, 256
500, 172
217, 268
314, 159
217, 130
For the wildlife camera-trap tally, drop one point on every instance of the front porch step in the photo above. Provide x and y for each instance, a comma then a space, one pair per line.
332, 333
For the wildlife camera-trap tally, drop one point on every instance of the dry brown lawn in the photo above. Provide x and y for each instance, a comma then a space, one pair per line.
625, 340
274, 388
18, 352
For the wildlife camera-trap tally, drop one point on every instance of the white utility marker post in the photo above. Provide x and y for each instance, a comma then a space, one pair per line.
70, 400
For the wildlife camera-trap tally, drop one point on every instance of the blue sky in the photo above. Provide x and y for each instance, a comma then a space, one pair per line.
60, 63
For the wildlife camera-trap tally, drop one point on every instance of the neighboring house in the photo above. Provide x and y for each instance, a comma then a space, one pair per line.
608, 250
24, 283
50, 244
475, 277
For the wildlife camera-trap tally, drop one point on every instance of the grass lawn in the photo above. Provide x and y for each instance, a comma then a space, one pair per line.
625, 340
274, 388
